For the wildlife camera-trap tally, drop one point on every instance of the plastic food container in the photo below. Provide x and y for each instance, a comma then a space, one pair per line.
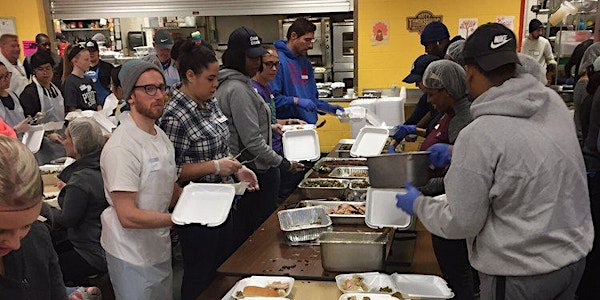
353, 251
382, 211
393, 170
262, 281
323, 191
302, 144
366, 296
304, 224
339, 218
373, 282
33, 138
204, 203
370, 141
422, 286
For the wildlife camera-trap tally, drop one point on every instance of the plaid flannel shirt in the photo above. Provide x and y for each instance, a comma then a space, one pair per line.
198, 133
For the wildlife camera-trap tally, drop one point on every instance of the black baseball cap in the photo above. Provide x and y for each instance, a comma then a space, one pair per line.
418, 68
92, 45
491, 46
535, 24
247, 40
434, 32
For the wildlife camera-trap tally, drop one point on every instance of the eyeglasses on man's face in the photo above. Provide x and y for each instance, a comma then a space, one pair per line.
151, 89
7, 75
271, 64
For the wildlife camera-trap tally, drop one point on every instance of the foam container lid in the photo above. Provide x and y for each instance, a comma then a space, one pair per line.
299, 145
204, 203
422, 286
33, 138
262, 281
382, 211
370, 141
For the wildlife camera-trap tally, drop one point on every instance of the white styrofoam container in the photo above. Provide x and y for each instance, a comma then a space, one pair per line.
33, 138
382, 211
262, 281
422, 286
204, 203
370, 141
299, 145
364, 296
352, 113
297, 127
373, 280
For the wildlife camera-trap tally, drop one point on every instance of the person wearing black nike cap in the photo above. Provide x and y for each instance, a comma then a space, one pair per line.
516, 186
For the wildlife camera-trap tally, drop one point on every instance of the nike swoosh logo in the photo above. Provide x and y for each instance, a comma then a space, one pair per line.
496, 45
162, 41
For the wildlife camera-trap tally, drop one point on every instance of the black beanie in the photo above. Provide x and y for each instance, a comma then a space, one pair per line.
534, 25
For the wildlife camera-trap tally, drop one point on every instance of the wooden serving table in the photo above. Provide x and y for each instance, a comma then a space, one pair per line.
266, 252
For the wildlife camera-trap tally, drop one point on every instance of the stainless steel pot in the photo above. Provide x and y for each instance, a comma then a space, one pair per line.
395, 169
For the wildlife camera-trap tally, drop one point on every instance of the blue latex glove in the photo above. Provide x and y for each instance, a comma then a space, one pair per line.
403, 130
406, 201
333, 108
391, 149
307, 104
440, 154
570, 81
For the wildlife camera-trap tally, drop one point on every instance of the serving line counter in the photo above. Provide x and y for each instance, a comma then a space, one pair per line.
266, 252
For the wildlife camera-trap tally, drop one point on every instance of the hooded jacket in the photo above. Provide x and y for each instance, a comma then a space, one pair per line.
249, 120
516, 188
295, 78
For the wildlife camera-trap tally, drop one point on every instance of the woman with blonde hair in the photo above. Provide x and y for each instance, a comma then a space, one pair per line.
78, 90
28, 264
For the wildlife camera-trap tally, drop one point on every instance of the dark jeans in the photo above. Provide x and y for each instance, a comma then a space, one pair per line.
289, 181
255, 207
589, 288
204, 249
75, 269
453, 259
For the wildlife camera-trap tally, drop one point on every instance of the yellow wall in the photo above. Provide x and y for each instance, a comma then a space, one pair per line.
29, 17
384, 65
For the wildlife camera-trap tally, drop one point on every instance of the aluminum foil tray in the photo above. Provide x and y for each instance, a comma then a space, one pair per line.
304, 224
323, 192
339, 162
350, 172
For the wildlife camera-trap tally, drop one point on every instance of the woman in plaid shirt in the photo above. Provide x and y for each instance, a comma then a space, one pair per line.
198, 130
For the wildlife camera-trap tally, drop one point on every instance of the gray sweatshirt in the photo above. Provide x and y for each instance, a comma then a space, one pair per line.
250, 120
516, 188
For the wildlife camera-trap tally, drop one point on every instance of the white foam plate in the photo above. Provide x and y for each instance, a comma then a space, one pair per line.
422, 286
382, 211
51, 126
262, 281
33, 138
297, 127
203, 203
373, 280
365, 296
299, 145
369, 142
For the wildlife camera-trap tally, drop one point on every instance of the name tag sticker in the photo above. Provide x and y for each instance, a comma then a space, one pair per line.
154, 164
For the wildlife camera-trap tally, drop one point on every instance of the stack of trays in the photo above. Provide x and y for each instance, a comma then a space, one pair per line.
304, 224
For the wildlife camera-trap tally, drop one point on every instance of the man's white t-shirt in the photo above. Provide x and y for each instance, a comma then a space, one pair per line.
135, 161
540, 49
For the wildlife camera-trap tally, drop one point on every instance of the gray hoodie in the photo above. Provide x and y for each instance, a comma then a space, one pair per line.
516, 188
250, 120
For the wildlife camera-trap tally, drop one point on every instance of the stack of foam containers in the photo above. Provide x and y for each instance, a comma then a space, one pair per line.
387, 109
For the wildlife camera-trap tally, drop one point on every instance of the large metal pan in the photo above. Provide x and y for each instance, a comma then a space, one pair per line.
395, 169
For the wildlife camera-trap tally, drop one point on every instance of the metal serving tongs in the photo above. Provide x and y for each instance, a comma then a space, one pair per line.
246, 161
40, 115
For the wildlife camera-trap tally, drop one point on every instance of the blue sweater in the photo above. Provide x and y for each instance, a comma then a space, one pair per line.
295, 78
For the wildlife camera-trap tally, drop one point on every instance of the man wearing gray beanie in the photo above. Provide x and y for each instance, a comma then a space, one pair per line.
138, 169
